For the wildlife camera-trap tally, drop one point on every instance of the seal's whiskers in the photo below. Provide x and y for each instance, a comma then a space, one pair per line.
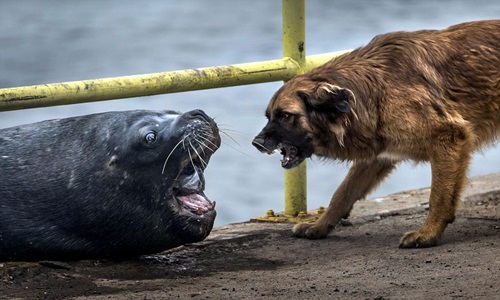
203, 162
202, 145
229, 136
191, 160
230, 133
228, 144
166, 160
205, 139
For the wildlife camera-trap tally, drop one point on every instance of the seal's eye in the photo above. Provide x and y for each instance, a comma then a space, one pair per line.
150, 138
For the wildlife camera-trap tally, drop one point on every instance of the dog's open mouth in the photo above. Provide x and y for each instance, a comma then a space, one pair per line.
291, 157
188, 189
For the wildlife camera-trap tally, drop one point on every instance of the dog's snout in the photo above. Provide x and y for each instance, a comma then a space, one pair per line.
258, 142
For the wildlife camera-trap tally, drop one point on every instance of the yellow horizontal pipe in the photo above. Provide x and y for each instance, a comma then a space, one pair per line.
314, 61
152, 84
144, 85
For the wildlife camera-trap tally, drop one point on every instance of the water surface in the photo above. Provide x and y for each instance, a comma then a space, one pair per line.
55, 41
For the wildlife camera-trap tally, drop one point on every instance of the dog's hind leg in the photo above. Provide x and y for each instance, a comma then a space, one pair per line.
363, 177
450, 152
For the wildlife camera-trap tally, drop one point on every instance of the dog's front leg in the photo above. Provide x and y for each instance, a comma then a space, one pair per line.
363, 176
450, 153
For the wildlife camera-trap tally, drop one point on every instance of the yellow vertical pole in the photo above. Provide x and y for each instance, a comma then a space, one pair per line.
294, 48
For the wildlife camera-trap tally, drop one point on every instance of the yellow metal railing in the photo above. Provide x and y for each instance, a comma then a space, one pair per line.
153, 84
294, 62
294, 46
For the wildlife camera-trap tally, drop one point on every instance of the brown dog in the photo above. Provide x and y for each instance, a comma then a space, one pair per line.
431, 95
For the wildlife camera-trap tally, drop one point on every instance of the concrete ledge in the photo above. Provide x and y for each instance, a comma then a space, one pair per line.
262, 261
480, 191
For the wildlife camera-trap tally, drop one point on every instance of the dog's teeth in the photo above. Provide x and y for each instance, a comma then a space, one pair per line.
199, 211
213, 205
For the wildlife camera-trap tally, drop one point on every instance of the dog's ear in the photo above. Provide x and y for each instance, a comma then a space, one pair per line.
328, 97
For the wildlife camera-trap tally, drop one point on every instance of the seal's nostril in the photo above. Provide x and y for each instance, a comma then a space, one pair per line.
197, 114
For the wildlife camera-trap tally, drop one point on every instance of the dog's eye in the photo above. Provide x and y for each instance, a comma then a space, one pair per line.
285, 116
150, 138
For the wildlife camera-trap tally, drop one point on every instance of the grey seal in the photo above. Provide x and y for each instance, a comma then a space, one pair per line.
108, 185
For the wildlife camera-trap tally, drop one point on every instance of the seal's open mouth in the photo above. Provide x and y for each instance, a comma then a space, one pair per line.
188, 189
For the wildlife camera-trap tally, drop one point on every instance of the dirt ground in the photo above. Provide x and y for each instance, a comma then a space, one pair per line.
262, 261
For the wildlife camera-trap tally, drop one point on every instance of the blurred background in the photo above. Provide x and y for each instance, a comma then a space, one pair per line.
55, 41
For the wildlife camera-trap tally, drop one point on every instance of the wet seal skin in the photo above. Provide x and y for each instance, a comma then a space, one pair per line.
428, 95
109, 185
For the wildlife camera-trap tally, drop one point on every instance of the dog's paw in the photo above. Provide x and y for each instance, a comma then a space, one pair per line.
310, 231
415, 239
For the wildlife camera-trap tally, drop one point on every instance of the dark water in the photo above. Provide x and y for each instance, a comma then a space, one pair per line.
54, 41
